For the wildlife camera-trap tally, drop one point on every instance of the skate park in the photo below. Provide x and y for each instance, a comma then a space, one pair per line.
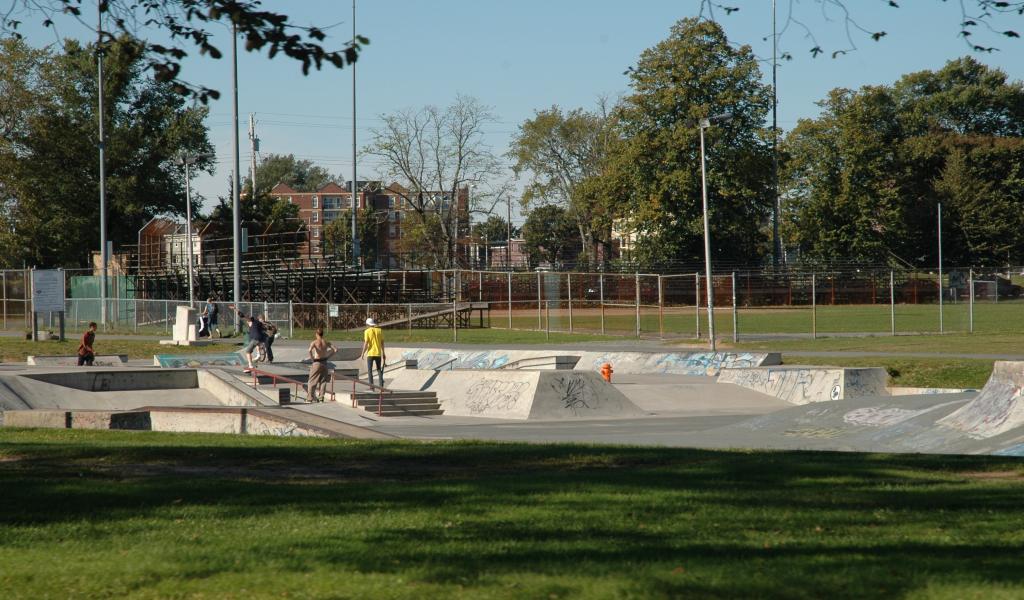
683, 398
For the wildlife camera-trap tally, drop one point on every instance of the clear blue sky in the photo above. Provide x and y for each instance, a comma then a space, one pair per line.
521, 56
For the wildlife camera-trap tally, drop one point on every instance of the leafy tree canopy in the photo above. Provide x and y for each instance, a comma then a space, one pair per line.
49, 165
187, 23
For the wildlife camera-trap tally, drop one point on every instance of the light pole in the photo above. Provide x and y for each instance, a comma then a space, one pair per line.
236, 209
104, 257
508, 236
187, 160
704, 124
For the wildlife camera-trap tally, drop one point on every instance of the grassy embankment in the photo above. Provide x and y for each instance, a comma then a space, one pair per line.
88, 514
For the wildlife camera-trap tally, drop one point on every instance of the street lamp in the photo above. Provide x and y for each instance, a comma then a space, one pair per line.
186, 160
704, 124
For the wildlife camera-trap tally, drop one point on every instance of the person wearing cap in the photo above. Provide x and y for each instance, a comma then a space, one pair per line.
373, 349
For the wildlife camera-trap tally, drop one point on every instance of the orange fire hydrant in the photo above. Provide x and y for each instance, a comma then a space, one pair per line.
606, 372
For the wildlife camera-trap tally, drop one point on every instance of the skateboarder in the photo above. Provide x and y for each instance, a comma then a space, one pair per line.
373, 349
86, 354
320, 351
257, 335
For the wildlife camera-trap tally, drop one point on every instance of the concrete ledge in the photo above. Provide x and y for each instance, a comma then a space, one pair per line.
192, 361
102, 360
804, 385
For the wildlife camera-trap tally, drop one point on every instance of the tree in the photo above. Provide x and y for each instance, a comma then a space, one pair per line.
299, 174
862, 180
185, 23
493, 230
337, 236
561, 151
49, 175
691, 75
550, 235
435, 154
976, 17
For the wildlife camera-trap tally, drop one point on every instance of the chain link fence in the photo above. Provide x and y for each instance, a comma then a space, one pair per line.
747, 304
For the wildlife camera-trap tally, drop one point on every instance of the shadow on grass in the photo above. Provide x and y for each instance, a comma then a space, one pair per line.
659, 522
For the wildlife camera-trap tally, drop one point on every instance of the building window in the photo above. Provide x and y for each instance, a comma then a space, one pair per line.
391, 201
316, 202
316, 232
316, 217
394, 231
289, 199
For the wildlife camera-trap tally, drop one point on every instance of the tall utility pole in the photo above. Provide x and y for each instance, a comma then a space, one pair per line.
355, 237
777, 204
254, 147
236, 212
103, 174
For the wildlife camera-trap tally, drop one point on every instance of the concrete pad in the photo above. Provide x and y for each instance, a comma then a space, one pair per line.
101, 360
804, 385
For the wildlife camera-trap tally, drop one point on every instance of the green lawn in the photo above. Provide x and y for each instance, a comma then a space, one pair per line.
912, 372
88, 514
17, 350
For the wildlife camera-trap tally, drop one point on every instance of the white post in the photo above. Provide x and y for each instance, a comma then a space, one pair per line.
661, 308
941, 329
601, 284
291, 320
538, 302
637, 286
188, 231
568, 279
970, 302
509, 300
892, 302
696, 308
814, 306
735, 313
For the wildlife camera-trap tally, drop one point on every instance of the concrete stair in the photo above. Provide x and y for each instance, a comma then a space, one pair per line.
398, 404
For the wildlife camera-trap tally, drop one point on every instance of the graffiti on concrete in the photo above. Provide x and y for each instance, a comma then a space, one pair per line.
998, 408
182, 361
887, 416
489, 395
433, 359
678, 363
573, 393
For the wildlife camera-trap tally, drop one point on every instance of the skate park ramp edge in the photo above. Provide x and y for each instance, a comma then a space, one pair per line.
522, 395
804, 385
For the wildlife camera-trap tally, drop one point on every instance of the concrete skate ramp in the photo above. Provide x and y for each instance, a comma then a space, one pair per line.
677, 363
101, 360
194, 361
997, 409
281, 422
692, 395
521, 394
123, 389
804, 385
878, 424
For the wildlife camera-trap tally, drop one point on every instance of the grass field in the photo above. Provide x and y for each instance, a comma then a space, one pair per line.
88, 514
17, 350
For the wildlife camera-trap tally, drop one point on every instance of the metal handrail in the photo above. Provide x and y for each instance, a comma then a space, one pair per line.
445, 363
275, 377
380, 390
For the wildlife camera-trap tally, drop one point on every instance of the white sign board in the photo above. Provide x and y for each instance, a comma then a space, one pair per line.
332, 310
47, 290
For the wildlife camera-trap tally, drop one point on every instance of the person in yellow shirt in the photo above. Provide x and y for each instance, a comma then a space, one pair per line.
373, 350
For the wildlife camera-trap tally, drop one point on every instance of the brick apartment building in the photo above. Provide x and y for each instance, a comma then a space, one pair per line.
390, 207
